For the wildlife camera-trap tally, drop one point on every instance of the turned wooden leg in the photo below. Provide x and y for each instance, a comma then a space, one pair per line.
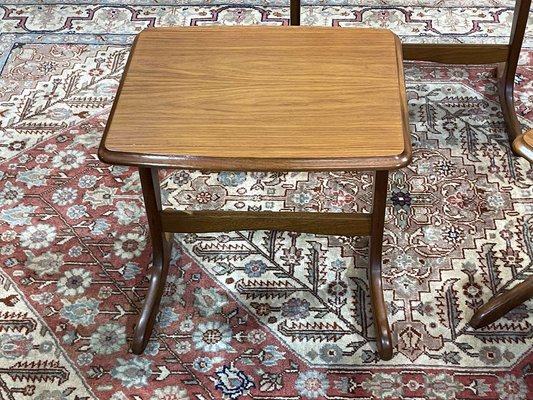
501, 304
379, 309
507, 70
161, 258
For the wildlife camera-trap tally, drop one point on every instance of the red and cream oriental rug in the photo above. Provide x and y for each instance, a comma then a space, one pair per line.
261, 315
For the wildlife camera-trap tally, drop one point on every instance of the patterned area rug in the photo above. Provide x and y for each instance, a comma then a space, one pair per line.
260, 314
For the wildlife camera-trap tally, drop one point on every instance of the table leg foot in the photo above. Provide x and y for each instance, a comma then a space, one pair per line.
145, 324
379, 310
501, 304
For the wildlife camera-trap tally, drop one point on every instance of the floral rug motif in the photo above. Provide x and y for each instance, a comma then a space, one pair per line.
259, 314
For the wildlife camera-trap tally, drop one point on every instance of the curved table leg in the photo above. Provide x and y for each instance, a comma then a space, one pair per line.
161, 259
507, 70
501, 304
379, 309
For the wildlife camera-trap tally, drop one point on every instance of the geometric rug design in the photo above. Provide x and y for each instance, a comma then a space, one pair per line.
31, 354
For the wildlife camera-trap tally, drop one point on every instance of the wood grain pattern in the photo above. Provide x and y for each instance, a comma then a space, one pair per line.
456, 53
345, 224
261, 98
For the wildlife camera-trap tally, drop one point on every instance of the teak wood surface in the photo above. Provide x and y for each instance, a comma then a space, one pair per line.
261, 98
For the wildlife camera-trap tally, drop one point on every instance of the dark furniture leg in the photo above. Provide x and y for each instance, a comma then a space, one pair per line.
381, 324
507, 70
295, 12
500, 305
161, 258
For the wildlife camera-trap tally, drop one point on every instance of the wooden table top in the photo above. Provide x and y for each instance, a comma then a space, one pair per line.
261, 99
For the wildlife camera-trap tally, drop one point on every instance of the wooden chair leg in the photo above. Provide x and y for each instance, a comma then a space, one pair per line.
161, 258
507, 70
379, 309
501, 304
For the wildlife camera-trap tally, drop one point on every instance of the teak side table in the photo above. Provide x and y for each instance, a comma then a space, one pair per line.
261, 99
